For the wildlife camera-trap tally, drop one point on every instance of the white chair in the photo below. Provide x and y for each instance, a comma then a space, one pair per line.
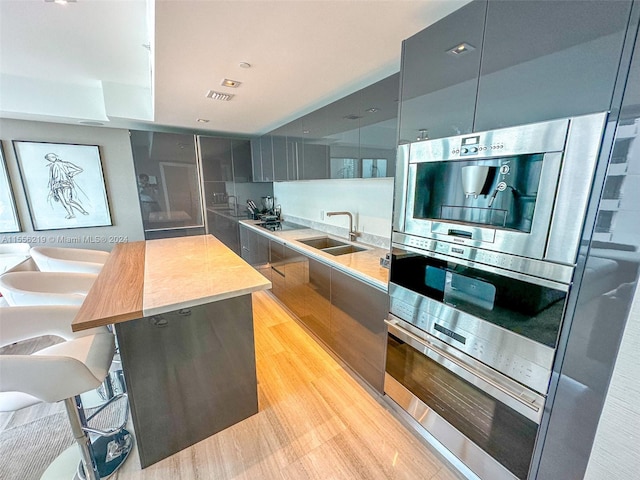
61, 373
60, 259
45, 288
12, 254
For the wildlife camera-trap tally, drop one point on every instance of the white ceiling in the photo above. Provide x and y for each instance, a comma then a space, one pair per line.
86, 61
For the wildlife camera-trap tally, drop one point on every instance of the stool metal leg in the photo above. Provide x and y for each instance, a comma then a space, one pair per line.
77, 420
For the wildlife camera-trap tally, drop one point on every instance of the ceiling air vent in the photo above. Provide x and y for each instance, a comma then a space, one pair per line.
352, 116
219, 96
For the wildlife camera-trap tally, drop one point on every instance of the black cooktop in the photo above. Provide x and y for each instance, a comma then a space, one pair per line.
280, 225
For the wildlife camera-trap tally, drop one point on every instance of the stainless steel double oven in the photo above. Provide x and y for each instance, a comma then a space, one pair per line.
485, 240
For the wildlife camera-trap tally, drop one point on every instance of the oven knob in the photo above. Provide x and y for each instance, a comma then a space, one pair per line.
474, 149
504, 169
464, 150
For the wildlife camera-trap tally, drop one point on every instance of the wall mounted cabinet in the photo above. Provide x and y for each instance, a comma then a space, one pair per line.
439, 87
522, 62
547, 60
354, 137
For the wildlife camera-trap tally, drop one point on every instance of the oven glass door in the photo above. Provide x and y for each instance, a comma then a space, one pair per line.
532, 310
497, 429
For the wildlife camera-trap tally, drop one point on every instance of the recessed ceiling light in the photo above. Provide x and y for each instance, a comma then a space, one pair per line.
372, 110
245, 65
461, 48
219, 95
203, 120
230, 83
60, 2
306, 131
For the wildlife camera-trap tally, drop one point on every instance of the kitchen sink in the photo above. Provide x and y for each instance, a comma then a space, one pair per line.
331, 246
323, 242
342, 250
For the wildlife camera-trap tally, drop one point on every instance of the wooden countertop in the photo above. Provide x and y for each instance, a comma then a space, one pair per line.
141, 279
364, 265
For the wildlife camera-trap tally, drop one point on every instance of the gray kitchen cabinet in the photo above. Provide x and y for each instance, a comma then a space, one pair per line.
379, 128
439, 87
547, 60
262, 158
296, 274
317, 291
358, 331
280, 160
277, 263
266, 149
225, 228
242, 168
256, 160
254, 249
315, 161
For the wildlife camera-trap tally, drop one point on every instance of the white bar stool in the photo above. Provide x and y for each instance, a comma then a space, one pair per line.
45, 288
61, 373
61, 259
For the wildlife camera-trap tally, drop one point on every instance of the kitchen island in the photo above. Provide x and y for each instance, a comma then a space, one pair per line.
183, 318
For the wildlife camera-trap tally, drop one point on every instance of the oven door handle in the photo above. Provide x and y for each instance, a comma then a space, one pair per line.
530, 403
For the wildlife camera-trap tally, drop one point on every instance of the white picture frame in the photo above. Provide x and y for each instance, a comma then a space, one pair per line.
9, 221
64, 185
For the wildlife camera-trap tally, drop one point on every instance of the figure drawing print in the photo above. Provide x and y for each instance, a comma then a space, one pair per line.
64, 184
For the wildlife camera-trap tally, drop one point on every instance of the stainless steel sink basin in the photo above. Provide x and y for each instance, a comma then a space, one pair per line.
331, 246
322, 242
342, 250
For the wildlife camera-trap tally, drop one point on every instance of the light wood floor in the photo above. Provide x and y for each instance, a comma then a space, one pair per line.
314, 422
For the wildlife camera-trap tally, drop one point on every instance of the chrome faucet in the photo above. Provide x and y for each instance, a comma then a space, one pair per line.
352, 233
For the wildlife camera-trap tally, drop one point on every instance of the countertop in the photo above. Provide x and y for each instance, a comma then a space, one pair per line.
364, 265
141, 279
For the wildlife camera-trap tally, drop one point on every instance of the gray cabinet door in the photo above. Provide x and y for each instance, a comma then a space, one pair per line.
543, 60
245, 244
242, 167
315, 162
296, 275
266, 149
439, 87
280, 169
256, 160
318, 300
358, 331
277, 262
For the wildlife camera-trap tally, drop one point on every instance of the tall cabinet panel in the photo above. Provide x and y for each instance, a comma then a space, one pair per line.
548, 59
168, 183
439, 86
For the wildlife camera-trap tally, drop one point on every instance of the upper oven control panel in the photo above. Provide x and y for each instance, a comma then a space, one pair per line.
525, 139
472, 146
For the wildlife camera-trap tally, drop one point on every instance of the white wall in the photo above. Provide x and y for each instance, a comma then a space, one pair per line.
370, 201
120, 180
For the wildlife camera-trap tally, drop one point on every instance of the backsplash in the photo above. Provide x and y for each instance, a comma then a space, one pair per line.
370, 201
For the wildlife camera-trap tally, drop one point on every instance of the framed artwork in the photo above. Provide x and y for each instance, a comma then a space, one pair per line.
64, 185
8, 214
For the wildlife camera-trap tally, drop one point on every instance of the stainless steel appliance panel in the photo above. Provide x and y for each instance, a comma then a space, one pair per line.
520, 190
451, 390
583, 147
517, 357
399, 204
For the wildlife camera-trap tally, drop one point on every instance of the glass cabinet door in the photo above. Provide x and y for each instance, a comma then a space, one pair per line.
168, 182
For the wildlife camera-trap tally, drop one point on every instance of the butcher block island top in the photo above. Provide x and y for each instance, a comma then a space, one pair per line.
152, 277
